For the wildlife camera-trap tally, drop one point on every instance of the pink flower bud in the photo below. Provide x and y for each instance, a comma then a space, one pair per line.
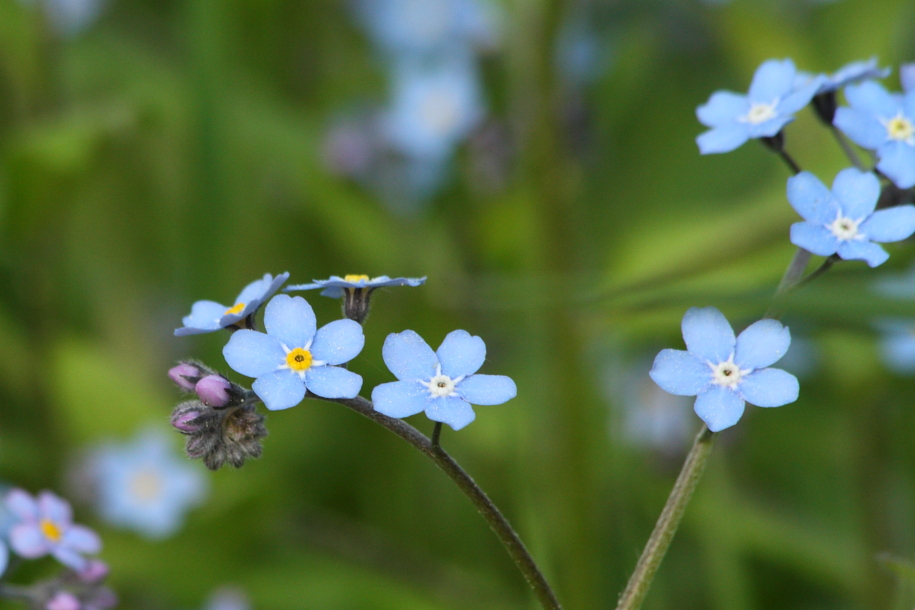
95, 571
185, 421
180, 374
63, 601
213, 391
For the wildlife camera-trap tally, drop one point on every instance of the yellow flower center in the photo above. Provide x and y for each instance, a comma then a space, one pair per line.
299, 359
900, 128
146, 486
235, 309
356, 278
50, 530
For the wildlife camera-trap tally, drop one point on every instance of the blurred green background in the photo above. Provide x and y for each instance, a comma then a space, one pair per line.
175, 150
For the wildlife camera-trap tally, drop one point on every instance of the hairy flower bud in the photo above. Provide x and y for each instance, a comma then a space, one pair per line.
185, 376
214, 391
222, 435
63, 600
95, 572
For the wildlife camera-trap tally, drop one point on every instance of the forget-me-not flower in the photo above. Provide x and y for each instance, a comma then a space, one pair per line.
853, 72
897, 344
769, 106
884, 122
336, 286
207, 316
46, 527
294, 355
843, 221
142, 485
441, 383
723, 372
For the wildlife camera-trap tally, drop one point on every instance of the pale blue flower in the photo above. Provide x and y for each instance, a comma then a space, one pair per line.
142, 485
843, 221
207, 316
335, 286
441, 383
897, 344
853, 72
763, 112
228, 598
70, 17
907, 77
293, 355
884, 122
723, 372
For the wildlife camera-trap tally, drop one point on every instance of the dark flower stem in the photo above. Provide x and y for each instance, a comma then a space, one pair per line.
487, 509
668, 522
436, 433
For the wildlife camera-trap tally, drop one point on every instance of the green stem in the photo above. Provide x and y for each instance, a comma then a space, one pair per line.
668, 522
487, 509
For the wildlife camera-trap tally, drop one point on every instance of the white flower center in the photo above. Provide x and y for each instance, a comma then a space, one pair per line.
845, 229
146, 486
439, 111
760, 112
441, 385
900, 128
728, 374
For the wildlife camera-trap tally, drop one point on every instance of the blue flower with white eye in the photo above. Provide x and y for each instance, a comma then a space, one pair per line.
897, 344
336, 285
142, 485
723, 372
207, 316
769, 106
843, 221
441, 383
294, 355
884, 122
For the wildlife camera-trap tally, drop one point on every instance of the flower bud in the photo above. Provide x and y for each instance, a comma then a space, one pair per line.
94, 572
185, 422
63, 601
214, 391
185, 376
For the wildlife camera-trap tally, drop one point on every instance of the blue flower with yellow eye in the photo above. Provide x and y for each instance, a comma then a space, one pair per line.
335, 286
208, 316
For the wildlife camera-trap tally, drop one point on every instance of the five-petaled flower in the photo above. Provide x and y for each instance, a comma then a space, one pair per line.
441, 383
769, 105
885, 122
46, 527
843, 221
208, 316
336, 286
293, 355
723, 372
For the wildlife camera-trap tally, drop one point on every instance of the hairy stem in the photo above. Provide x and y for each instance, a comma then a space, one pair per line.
489, 511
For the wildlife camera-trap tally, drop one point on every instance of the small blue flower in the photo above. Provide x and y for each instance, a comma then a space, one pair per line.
853, 72
768, 107
897, 344
441, 383
724, 372
292, 356
884, 122
335, 286
844, 222
142, 485
907, 77
207, 316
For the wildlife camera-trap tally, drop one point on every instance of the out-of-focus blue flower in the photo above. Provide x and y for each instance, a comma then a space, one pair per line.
228, 598
907, 77
763, 112
70, 17
896, 285
853, 72
723, 372
335, 286
897, 344
441, 383
142, 485
207, 316
46, 527
293, 356
884, 122
843, 221
434, 107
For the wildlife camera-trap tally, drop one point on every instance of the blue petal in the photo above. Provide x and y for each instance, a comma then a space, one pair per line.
4, 557
255, 290
461, 354
81, 539
408, 356
204, 318
773, 79
769, 388
722, 108
908, 100
708, 334
487, 389
762, 344
719, 408
280, 389
891, 224
864, 128
867, 251
400, 398
334, 292
291, 320
311, 286
333, 382
811, 199
338, 342
680, 372
722, 139
872, 98
799, 98
857, 192
252, 353
814, 238
897, 161
450, 410
769, 128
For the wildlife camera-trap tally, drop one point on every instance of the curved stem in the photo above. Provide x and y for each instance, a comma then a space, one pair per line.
487, 509
666, 527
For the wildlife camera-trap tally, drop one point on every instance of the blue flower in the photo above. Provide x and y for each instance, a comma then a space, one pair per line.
907, 77
441, 383
292, 357
143, 486
884, 122
769, 106
723, 372
897, 344
207, 316
335, 286
853, 72
844, 222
